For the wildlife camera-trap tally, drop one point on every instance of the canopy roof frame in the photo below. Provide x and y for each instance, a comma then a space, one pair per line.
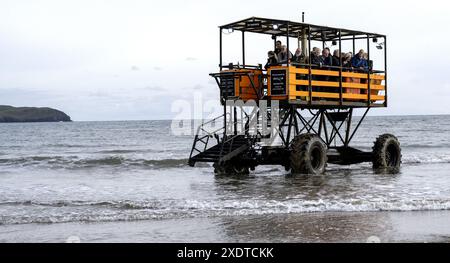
287, 28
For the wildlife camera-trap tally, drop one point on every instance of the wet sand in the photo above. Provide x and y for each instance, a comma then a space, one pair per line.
420, 226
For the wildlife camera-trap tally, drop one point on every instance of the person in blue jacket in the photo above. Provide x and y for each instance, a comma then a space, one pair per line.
359, 62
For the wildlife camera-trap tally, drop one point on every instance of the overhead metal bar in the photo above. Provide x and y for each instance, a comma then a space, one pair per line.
280, 28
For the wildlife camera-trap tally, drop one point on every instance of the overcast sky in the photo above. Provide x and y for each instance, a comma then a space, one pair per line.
129, 60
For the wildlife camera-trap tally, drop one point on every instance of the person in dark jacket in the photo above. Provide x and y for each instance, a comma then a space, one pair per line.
326, 57
359, 62
278, 45
347, 61
299, 57
315, 58
317, 62
327, 62
284, 56
335, 62
336, 58
271, 60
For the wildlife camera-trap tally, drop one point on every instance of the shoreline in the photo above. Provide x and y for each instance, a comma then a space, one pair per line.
334, 227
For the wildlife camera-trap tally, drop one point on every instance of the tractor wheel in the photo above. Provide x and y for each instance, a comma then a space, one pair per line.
308, 155
221, 169
387, 152
240, 169
230, 169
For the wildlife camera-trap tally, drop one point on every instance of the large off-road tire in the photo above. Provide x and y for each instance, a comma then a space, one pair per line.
231, 169
308, 155
387, 153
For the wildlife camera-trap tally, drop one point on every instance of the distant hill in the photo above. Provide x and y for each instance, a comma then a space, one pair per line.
28, 114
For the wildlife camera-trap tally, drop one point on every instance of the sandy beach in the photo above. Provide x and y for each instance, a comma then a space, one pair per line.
421, 226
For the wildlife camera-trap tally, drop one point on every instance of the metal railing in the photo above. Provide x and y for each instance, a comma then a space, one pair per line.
204, 139
204, 135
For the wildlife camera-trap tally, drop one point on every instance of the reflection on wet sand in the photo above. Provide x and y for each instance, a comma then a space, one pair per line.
420, 226
314, 227
293, 227
355, 191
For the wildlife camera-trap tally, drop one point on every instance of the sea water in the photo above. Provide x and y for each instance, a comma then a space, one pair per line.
85, 173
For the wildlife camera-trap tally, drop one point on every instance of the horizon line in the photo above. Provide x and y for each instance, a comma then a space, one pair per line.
406, 115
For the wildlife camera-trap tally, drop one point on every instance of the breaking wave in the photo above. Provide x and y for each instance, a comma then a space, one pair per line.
74, 162
110, 211
426, 158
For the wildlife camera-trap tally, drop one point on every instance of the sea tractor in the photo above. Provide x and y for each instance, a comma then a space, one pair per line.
297, 114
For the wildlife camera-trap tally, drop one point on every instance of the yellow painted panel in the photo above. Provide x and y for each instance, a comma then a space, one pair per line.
332, 73
336, 84
328, 95
292, 90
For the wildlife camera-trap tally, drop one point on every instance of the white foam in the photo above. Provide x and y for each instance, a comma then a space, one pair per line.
204, 208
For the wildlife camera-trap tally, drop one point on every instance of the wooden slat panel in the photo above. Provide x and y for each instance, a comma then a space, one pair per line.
362, 75
328, 95
279, 97
336, 84
362, 96
336, 103
321, 72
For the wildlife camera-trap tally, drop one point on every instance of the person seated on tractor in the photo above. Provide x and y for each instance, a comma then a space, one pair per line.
327, 62
327, 59
369, 62
272, 60
347, 61
347, 65
284, 56
278, 45
299, 57
316, 59
366, 56
359, 62
335, 62
336, 58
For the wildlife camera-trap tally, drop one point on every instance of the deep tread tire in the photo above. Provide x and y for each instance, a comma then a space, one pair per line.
308, 155
231, 169
387, 153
